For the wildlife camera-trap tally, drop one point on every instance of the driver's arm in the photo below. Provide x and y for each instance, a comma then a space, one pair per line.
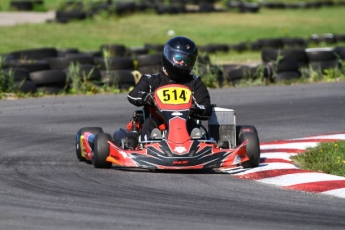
140, 91
202, 101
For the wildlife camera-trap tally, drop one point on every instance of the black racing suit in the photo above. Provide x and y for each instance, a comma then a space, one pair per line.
150, 82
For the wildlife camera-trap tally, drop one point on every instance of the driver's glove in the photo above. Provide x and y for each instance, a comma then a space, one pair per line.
192, 109
148, 99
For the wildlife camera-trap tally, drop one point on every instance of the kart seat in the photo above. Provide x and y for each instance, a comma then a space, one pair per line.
156, 134
196, 134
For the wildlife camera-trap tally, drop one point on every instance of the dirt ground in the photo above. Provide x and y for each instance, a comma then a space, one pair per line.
15, 18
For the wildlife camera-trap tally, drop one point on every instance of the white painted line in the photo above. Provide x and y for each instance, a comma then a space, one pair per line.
340, 192
299, 178
278, 155
327, 137
298, 145
269, 166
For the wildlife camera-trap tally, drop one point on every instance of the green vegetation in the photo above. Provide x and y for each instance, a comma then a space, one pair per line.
141, 28
326, 157
208, 28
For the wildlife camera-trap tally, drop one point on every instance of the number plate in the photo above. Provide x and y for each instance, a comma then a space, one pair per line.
174, 95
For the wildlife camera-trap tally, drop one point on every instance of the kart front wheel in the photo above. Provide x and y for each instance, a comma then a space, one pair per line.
94, 130
101, 151
253, 149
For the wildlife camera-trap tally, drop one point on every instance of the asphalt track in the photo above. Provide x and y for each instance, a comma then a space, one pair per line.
43, 186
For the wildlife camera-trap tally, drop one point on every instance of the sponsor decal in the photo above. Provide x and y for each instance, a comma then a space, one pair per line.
180, 149
237, 160
184, 162
246, 130
176, 113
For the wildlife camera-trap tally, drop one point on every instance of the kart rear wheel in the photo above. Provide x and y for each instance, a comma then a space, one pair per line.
94, 130
101, 151
253, 149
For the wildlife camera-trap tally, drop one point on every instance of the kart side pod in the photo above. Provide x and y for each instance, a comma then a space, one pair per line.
222, 127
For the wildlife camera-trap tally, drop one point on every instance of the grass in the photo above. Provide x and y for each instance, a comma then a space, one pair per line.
219, 28
326, 157
141, 28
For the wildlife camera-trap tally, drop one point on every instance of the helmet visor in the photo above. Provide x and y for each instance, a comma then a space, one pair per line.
180, 59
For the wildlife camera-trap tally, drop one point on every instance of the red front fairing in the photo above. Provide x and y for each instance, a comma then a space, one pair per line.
168, 155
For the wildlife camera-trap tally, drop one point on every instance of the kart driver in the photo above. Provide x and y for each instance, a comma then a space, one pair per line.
178, 58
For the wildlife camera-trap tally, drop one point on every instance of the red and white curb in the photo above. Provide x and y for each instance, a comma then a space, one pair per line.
276, 167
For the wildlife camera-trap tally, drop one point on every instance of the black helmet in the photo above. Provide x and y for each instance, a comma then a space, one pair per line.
179, 56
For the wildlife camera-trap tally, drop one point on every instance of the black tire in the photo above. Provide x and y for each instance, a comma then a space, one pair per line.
115, 50
163, 9
64, 62
236, 74
101, 151
271, 43
243, 129
89, 71
340, 37
249, 7
45, 77
287, 64
110, 77
255, 46
126, 77
35, 54
149, 59
134, 51
154, 47
114, 77
125, 86
253, 149
240, 47
324, 65
207, 49
64, 52
94, 130
294, 42
7, 57
220, 47
321, 54
300, 55
19, 74
31, 66
204, 60
206, 7
77, 14
125, 7
22, 5
115, 63
25, 86
340, 51
149, 69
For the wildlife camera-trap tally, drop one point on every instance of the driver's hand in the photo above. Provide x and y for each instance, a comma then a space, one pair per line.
149, 100
192, 109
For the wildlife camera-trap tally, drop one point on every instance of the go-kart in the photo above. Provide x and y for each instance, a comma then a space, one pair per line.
222, 146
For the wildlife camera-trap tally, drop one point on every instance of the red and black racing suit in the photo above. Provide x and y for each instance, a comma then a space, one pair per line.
150, 82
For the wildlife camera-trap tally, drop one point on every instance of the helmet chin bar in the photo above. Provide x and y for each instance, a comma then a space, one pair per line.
176, 76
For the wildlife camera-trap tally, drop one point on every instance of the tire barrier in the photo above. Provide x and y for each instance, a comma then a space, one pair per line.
322, 58
78, 10
25, 5
81, 11
149, 63
53, 70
